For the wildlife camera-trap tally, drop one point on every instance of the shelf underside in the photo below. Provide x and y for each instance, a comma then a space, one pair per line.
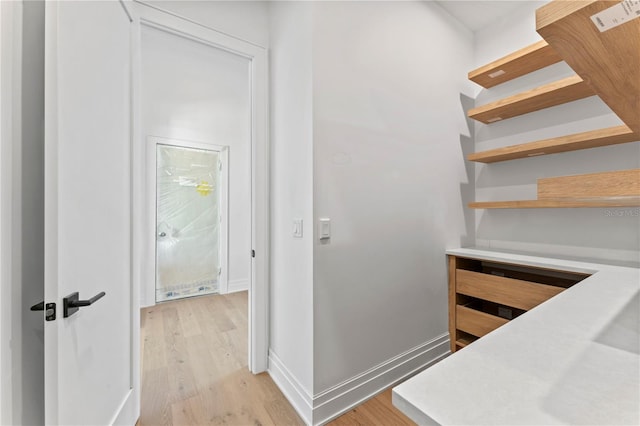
585, 140
559, 92
516, 64
609, 60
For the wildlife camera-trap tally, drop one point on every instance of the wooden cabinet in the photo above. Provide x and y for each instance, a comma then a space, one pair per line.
486, 295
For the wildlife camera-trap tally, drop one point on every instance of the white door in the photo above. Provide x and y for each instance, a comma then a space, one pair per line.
190, 218
91, 355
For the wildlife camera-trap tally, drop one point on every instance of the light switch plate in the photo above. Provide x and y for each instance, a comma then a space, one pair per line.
324, 228
297, 228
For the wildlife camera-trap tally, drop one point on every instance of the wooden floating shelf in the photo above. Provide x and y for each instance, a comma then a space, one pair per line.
608, 60
608, 189
577, 141
560, 203
514, 65
610, 185
552, 94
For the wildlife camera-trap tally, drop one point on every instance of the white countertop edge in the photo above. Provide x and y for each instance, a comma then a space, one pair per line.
410, 410
584, 267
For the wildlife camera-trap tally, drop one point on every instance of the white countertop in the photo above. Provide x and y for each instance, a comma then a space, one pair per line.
572, 360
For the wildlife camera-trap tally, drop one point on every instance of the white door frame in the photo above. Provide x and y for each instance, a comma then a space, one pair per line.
10, 41
222, 194
259, 284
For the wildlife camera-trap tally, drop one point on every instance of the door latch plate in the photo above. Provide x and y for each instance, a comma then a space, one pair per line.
50, 312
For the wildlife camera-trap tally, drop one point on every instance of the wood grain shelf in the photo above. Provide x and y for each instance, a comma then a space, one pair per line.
585, 140
464, 341
505, 291
620, 188
516, 64
476, 322
558, 203
609, 61
552, 94
609, 185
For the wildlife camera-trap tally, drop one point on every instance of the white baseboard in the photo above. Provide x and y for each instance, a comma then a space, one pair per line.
295, 393
145, 303
237, 285
335, 401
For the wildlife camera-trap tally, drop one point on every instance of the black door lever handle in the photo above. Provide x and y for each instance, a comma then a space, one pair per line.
38, 306
72, 303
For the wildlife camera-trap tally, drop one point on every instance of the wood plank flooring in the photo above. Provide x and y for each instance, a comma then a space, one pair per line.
378, 411
194, 371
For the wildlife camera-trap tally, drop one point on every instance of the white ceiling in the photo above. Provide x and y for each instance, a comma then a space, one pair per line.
478, 14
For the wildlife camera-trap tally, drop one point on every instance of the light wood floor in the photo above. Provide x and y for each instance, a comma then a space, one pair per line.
194, 371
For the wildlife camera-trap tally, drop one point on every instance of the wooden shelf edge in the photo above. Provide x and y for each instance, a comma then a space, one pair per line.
585, 140
559, 92
556, 10
612, 185
516, 64
559, 203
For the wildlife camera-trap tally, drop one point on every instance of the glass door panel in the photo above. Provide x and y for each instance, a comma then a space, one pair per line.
187, 222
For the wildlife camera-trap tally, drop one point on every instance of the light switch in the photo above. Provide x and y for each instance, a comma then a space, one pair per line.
324, 228
297, 228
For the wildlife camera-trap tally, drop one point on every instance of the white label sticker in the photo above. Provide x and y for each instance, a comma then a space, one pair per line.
617, 15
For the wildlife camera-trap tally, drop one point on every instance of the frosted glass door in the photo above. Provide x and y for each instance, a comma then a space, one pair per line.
187, 222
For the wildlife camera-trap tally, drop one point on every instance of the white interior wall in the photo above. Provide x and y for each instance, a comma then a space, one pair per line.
491, 43
598, 233
246, 20
194, 92
390, 136
291, 299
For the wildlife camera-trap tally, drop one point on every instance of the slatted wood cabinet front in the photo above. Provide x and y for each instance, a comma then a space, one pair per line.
486, 295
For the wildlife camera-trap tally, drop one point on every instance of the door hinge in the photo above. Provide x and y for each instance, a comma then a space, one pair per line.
220, 165
219, 271
253, 253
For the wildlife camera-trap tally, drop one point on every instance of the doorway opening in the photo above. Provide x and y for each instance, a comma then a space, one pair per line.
192, 83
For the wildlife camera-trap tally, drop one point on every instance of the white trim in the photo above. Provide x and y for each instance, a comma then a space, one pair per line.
168, 12
333, 402
238, 285
258, 290
150, 193
127, 409
51, 405
131, 407
292, 389
339, 399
